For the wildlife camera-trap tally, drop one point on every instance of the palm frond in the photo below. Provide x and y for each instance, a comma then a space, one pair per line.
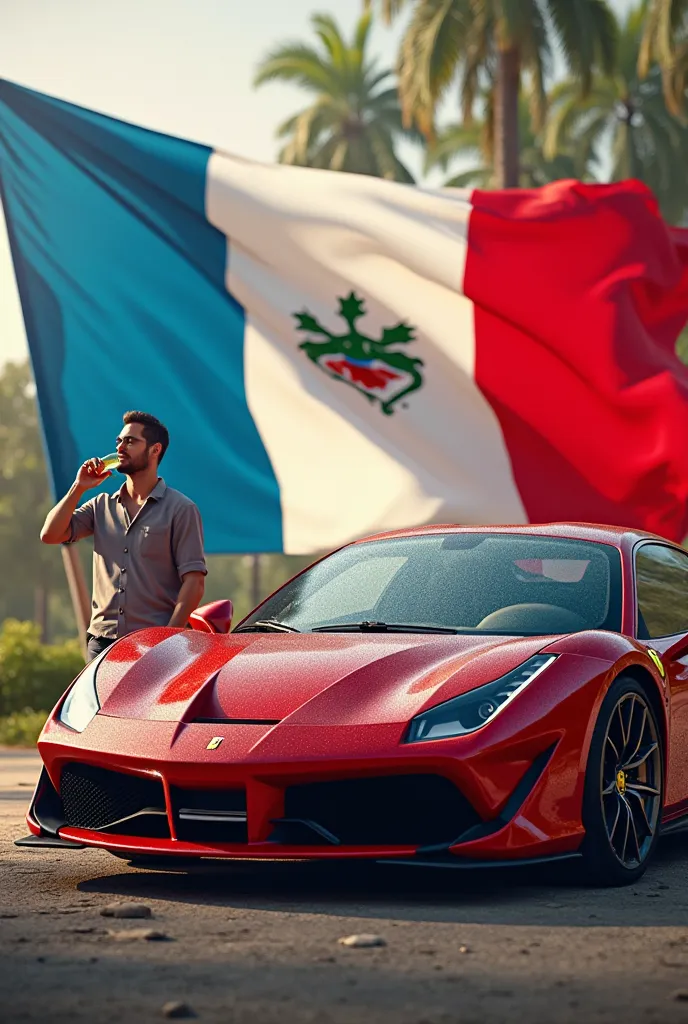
569, 113
453, 140
478, 70
387, 163
623, 155
387, 98
302, 65
647, 141
327, 31
536, 59
429, 57
649, 41
665, 40
388, 8
480, 177
355, 118
587, 33
630, 42
587, 141
362, 32
372, 78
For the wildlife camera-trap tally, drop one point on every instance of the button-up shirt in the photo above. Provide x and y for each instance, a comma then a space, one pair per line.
138, 563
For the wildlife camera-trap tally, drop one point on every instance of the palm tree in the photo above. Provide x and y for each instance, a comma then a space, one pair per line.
476, 140
355, 118
647, 142
665, 40
504, 41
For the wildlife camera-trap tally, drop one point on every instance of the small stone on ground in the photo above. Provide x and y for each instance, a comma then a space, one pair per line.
177, 1010
362, 941
135, 934
126, 910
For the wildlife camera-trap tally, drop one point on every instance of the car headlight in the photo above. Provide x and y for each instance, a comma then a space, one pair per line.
81, 705
476, 708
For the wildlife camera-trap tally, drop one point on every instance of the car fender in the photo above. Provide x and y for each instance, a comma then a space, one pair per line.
621, 653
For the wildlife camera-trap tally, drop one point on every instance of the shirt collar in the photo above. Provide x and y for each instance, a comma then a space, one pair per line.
156, 494
158, 491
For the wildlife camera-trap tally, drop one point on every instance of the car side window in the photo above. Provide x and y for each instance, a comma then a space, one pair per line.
661, 576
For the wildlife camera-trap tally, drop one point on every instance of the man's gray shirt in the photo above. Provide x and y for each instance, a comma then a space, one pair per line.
138, 564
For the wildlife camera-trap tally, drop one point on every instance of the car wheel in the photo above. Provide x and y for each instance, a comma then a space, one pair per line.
624, 786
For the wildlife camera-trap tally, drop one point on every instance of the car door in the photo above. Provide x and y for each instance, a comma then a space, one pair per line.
661, 579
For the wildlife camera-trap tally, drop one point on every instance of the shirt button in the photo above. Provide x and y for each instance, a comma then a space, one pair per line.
121, 611
121, 590
124, 569
126, 551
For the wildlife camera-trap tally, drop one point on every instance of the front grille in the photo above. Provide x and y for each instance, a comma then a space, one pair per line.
395, 810
103, 800
210, 815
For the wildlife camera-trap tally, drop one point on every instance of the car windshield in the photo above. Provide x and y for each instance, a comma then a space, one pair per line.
509, 584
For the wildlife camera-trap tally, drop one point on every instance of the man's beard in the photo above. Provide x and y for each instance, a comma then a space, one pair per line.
132, 466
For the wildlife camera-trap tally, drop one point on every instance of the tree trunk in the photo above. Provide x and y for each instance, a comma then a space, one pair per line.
506, 141
255, 580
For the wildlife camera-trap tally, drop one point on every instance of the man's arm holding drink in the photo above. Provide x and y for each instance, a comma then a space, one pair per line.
57, 528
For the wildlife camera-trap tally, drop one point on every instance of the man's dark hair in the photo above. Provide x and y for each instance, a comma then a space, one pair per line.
153, 431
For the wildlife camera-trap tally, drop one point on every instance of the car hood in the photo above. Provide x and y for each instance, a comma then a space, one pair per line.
309, 678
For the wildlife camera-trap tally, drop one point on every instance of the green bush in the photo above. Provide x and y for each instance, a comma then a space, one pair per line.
33, 675
21, 728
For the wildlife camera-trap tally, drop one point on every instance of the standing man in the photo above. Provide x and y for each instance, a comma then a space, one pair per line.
148, 562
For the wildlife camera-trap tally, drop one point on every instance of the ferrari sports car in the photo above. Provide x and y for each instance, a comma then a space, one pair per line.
447, 696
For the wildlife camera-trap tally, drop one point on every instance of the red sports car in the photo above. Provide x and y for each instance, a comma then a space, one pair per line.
442, 696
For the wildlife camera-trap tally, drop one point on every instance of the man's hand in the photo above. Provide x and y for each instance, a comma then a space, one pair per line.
57, 527
91, 473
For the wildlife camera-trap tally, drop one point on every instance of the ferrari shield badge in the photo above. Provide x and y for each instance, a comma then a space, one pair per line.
658, 662
377, 369
215, 743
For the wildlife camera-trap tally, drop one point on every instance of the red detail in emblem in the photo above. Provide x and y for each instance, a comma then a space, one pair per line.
361, 374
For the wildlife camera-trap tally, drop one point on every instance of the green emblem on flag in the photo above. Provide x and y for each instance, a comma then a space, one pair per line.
373, 367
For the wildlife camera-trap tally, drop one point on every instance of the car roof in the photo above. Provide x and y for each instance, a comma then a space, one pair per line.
621, 537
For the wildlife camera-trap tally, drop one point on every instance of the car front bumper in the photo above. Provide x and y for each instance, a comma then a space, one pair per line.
518, 782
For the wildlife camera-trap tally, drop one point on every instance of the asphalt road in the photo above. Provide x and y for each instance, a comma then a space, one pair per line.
259, 944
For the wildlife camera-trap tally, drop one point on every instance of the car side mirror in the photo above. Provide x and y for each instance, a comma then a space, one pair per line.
215, 617
677, 650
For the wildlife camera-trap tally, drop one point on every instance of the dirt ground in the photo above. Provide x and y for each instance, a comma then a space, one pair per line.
259, 944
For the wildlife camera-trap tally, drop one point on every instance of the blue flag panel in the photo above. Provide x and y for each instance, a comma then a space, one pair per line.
121, 280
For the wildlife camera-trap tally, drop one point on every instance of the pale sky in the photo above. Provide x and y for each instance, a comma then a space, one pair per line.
179, 66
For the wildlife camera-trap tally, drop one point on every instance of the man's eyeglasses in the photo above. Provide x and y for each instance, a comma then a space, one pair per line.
127, 442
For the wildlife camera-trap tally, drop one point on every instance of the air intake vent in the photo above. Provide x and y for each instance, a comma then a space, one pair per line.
210, 815
394, 810
116, 802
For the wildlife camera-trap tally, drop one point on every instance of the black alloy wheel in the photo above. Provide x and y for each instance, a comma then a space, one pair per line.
623, 787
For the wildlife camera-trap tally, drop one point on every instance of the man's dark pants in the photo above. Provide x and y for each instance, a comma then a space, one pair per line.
96, 645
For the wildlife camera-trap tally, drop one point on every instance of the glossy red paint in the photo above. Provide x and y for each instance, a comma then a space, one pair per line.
215, 617
299, 708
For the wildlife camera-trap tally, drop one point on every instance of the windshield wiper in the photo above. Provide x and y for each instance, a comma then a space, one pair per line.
267, 626
380, 627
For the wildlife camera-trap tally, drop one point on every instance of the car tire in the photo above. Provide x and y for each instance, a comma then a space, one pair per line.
624, 787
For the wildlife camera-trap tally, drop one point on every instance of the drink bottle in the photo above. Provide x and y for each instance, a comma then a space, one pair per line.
111, 461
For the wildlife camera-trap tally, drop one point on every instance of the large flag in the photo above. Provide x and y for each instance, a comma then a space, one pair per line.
335, 354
